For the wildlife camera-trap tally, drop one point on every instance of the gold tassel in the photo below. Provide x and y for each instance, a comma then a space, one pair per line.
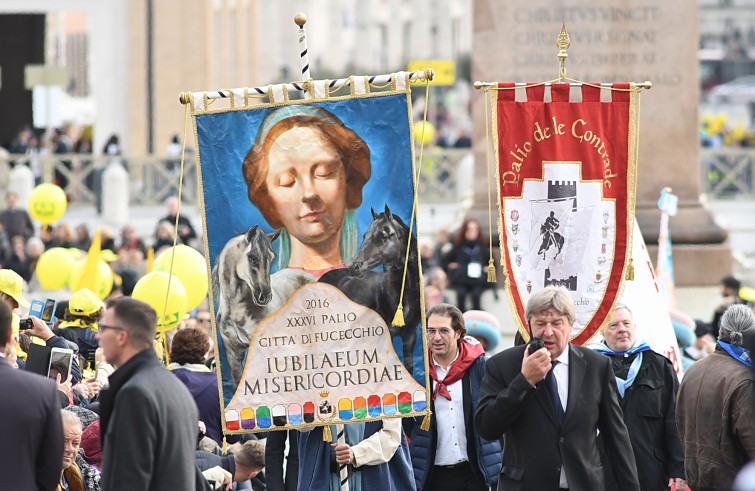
398, 319
225, 446
425, 426
327, 436
491, 271
630, 271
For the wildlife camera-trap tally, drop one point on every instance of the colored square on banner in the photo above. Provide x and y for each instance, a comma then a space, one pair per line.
263, 417
360, 407
374, 406
309, 225
389, 404
309, 412
247, 418
420, 402
279, 415
232, 420
345, 411
404, 402
295, 414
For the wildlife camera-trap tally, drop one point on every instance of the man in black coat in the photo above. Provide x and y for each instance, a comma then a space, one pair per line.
32, 457
550, 404
647, 386
148, 419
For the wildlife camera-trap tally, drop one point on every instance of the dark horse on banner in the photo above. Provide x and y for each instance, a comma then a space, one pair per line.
551, 238
385, 244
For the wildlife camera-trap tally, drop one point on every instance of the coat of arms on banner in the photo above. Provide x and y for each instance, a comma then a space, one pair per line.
307, 207
566, 178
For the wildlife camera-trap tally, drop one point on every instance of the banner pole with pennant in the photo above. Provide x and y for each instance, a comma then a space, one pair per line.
285, 313
566, 155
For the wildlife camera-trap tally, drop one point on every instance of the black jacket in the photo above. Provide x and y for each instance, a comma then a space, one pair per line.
464, 254
32, 457
148, 428
536, 446
649, 407
280, 475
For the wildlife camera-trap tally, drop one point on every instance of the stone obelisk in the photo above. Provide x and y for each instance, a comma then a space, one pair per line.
616, 41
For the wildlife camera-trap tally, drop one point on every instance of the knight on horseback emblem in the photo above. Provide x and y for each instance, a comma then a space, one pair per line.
551, 238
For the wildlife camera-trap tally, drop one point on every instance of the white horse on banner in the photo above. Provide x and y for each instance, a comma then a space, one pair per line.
246, 292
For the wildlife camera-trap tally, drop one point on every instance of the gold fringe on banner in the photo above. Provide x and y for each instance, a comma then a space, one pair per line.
425, 426
224, 448
327, 435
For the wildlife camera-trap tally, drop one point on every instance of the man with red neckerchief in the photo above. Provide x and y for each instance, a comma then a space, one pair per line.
451, 455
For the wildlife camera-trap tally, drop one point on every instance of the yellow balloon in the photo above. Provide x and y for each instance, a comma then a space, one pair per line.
54, 268
152, 288
47, 203
104, 282
747, 293
190, 267
424, 132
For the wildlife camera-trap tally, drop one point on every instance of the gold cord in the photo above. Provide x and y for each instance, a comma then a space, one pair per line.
398, 319
629, 275
491, 262
178, 215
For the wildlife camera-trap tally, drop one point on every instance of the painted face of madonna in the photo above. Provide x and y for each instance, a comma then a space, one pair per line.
306, 183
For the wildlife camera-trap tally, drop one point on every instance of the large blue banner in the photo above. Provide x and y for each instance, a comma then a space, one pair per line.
307, 213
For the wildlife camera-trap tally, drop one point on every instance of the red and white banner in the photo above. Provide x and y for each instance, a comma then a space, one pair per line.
567, 166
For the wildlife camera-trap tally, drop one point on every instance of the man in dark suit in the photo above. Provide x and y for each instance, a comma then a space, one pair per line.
550, 404
148, 419
32, 457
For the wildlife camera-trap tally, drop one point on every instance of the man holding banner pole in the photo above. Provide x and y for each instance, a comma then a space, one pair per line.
647, 386
375, 452
550, 402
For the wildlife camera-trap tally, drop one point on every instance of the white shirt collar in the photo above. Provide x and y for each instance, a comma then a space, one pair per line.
449, 365
564, 356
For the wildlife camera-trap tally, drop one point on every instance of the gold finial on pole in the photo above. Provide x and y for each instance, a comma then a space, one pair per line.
562, 43
300, 19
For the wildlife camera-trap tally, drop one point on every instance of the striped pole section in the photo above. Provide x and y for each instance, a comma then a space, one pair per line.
226, 93
301, 19
343, 469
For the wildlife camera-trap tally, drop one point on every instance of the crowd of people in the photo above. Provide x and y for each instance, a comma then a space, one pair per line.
116, 417
525, 418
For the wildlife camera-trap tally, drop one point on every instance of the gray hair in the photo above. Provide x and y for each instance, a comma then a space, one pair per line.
557, 297
70, 419
622, 305
736, 320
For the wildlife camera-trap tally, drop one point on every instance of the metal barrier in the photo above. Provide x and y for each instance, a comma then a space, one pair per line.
442, 178
447, 175
153, 178
727, 173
